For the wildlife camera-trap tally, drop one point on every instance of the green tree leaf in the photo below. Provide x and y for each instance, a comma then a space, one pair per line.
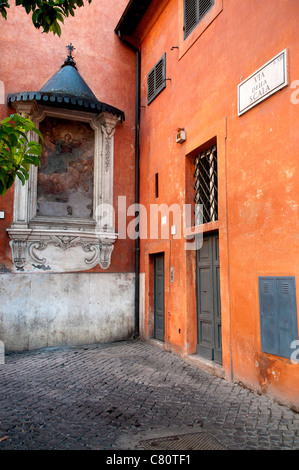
17, 153
46, 14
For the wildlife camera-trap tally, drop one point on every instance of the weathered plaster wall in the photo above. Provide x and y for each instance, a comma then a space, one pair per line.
41, 310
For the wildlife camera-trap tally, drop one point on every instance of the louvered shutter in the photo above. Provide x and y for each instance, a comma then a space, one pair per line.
156, 79
190, 16
268, 316
151, 86
194, 11
278, 315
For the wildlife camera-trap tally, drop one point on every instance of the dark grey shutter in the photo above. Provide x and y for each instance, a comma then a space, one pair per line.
286, 305
159, 75
151, 85
203, 7
268, 316
190, 17
278, 315
194, 11
156, 79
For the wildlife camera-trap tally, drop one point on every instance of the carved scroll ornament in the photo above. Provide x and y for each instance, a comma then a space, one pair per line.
73, 252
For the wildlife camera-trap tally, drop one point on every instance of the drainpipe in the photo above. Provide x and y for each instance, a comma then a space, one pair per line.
137, 174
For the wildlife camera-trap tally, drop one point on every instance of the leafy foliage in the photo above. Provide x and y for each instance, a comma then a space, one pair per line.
3, 7
17, 153
46, 14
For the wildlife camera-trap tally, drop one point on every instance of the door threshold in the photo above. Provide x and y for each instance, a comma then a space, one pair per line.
205, 364
156, 342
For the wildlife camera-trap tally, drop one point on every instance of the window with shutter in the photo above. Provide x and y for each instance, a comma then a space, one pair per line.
194, 11
156, 79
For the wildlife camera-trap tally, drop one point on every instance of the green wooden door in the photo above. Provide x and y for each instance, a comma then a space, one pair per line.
208, 299
159, 329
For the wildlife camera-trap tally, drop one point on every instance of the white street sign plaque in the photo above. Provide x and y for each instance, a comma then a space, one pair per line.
266, 81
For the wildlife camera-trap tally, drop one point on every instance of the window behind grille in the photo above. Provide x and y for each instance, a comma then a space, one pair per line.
206, 186
194, 11
156, 79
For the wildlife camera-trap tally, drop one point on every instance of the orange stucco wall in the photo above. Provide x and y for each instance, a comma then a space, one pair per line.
29, 59
258, 172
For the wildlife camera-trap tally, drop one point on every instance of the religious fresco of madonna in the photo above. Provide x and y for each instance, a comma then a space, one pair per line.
65, 177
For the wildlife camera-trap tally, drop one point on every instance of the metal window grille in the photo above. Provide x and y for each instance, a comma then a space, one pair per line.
206, 186
156, 79
194, 11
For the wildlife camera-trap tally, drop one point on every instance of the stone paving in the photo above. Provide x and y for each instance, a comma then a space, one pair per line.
113, 396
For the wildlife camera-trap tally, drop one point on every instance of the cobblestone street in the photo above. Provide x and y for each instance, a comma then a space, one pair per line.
115, 396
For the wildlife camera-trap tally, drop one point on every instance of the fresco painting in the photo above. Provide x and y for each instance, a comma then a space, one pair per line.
65, 177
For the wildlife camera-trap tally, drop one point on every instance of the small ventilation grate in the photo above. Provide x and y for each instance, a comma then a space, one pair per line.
194, 441
285, 288
266, 287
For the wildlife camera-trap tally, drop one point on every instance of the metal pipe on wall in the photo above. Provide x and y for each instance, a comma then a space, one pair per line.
137, 172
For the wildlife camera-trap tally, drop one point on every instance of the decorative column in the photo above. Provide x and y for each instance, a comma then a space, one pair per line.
105, 212
21, 193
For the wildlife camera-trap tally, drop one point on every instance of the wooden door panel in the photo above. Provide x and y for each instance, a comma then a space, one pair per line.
159, 297
208, 299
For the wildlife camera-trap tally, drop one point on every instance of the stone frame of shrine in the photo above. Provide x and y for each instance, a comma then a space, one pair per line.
64, 244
